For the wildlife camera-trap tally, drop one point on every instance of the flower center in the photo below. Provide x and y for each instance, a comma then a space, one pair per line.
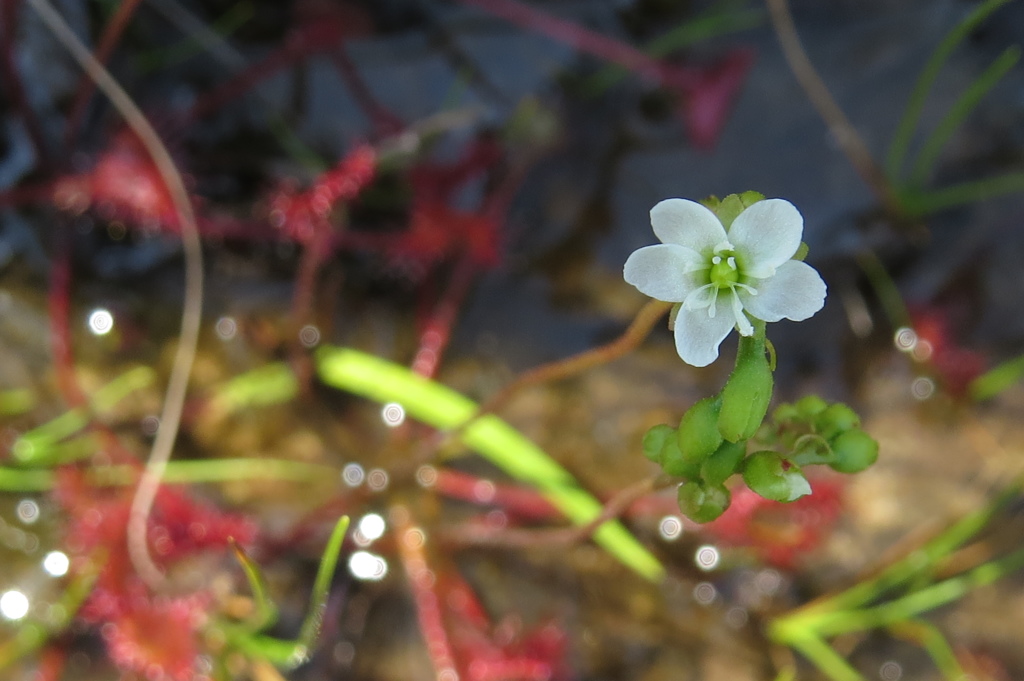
723, 272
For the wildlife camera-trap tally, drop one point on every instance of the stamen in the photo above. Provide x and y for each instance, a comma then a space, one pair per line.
698, 299
749, 289
714, 304
744, 325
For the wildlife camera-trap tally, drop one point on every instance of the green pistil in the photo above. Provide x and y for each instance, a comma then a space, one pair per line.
723, 272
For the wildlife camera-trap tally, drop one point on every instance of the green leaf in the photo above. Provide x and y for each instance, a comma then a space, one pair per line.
444, 409
768, 475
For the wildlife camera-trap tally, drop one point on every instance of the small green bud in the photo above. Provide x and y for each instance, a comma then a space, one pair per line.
655, 440
675, 463
854, 451
810, 406
703, 503
801, 252
698, 431
718, 467
836, 419
773, 478
748, 391
786, 413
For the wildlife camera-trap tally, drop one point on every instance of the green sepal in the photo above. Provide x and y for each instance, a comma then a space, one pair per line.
698, 434
801, 252
711, 203
703, 503
726, 460
854, 451
767, 474
748, 391
750, 197
655, 440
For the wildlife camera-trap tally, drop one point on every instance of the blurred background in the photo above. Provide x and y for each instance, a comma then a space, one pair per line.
454, 186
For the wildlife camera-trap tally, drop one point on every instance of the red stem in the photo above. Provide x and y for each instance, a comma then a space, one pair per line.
59, 305
111, 35
384, 122
588, 41
423, 581
438, 329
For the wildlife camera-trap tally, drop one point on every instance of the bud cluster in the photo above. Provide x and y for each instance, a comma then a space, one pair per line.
713, 438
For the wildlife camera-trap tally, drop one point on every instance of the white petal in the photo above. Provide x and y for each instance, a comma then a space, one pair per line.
795, 292
698, 335
663, 271
687, 223
767, 234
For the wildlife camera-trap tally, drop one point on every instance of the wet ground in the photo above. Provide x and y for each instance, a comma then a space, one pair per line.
577, 209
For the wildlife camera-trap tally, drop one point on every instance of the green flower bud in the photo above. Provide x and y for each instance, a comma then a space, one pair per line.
854, 451
698, 431
703, 503
718, 467
786, 413
773, 478
836, 419
810, 406
655, 440
748, 391
675, 463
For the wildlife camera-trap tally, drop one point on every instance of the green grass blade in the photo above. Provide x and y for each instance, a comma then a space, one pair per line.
35, 446
318, 599
271, 384
266, 611
493, 438
915, 105
933, 200
17, 401
997, 379
967, 102
711, 24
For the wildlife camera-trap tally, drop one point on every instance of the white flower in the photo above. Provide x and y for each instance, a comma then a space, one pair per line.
720, 278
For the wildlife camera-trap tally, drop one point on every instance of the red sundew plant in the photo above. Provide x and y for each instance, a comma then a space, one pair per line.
120, 604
